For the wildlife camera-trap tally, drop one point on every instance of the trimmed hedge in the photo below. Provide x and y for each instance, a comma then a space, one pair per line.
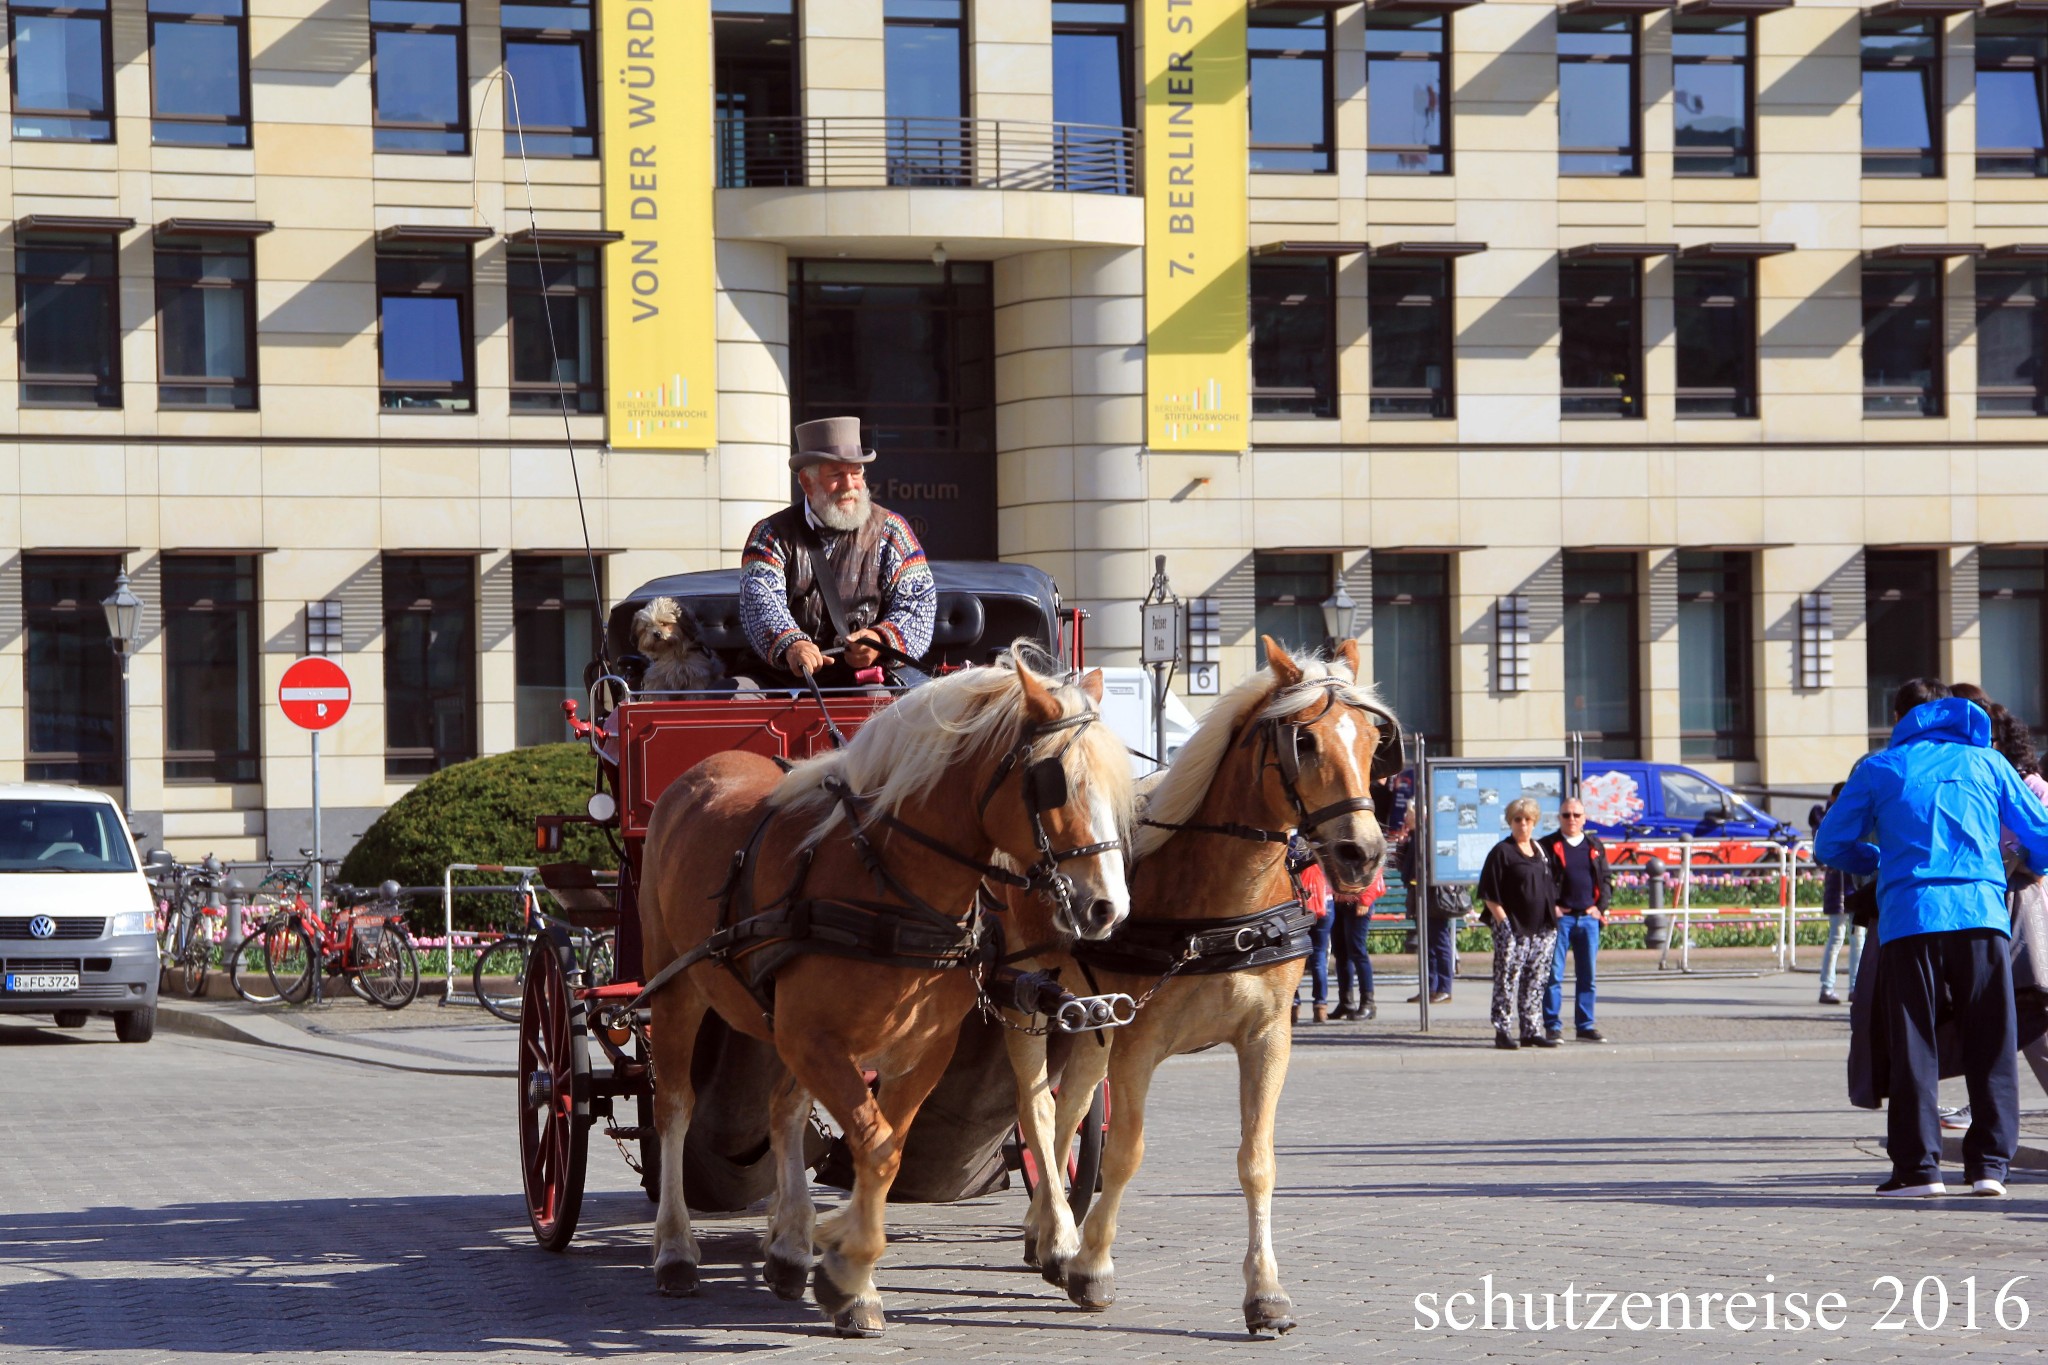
481, 811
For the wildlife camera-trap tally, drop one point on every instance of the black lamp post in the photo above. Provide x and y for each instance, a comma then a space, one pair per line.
124, 623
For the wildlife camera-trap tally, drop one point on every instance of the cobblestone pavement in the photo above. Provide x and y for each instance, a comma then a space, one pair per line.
198, 1200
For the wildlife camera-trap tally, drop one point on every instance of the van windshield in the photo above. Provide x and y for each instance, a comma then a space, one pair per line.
62, 836
1687, 797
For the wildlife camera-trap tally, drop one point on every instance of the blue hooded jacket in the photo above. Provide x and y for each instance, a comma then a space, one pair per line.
1933, 801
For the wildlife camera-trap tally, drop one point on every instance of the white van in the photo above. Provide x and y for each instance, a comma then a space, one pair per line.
77, 917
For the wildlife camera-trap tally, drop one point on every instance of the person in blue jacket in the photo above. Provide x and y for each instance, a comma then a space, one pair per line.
1933, 801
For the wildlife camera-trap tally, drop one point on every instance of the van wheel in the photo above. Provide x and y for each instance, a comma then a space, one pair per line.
72, 1018
135, 1026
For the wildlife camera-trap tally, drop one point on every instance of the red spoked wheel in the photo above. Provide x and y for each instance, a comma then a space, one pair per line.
1084, 1162
554, 1092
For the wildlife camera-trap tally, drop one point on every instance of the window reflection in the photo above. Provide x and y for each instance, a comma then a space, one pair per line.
1714, 304
1294, 338
423, 306
1600, 348
205, 298
62, 71
66, 337
1596, 95
1407, 115
416, 76
1901, 97
1290, 89
548, 56
1902, 338
2012, 93
1409, 307
1710, 96
2012, 339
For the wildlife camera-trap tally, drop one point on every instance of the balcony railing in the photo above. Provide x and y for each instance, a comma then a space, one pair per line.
968, 153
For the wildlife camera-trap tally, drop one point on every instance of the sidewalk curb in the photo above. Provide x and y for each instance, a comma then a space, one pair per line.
257, 1031
1481, 1052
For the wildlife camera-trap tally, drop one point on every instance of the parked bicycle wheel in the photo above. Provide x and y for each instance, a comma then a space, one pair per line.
249, 966
603, 966
194, 959
390, 970
291, 960
499, 977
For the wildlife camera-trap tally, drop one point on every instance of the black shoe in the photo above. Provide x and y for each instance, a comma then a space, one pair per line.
1553, 1034
1505, 1043
1591, 1035
1830, 998
1368, 1010
1540, 1040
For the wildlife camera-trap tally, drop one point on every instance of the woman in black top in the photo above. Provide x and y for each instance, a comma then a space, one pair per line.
1521, 902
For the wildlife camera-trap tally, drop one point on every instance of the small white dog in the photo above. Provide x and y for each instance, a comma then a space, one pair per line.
677, 659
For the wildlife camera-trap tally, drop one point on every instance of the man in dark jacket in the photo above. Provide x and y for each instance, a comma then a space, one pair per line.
1933, 800
1579, 870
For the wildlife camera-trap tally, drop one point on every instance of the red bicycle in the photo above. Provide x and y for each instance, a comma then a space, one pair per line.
365, 942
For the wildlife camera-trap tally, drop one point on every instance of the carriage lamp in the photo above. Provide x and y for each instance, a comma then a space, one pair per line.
1338, 609
124, 623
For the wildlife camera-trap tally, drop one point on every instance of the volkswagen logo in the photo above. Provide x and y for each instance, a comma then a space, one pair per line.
42, 926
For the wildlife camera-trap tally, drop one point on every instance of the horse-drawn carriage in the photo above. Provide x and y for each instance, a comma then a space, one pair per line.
583, 1054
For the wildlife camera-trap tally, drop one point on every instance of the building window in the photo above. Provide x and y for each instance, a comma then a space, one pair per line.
1288, 592
1407, 93
423, 322
553, 299
419, 85
551, 60
2014, 588
68, 334
1411, 641
1901, 628
1290, 93
199, 73
205, 322
1600, 338
2012, 340
1902, 97
755, 82
925, 81
1600, 653
1408, 306
1712, 90
1091, 94
1902, 338
61, 58
2012, 96
211, 667
1598, 99
1714, 678
554, 616
429, 663
1714, 302
73, 682
1294, 338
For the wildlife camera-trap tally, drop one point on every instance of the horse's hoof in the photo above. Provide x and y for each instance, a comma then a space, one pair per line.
862, 1318
1094, 1292
1054, 1269
1031, 1250
827, 1292
1269, 1313
677, 1279
786, 1278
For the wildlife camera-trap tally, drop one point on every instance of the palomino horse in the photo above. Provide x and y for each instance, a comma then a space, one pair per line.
832, 912
1215, 938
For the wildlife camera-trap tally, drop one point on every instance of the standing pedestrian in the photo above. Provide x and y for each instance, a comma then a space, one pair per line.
1579, 867
1315, 895
1354, 959
1834, 899
1521, 903
1934, 799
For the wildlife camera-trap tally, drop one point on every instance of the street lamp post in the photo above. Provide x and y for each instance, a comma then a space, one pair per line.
1338, 610
124, 622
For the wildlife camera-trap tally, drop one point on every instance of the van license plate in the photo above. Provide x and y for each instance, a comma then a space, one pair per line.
42, 983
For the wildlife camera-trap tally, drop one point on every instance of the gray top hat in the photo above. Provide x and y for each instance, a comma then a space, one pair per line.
828, 439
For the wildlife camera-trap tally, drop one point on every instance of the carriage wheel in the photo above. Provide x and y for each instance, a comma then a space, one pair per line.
554, 1092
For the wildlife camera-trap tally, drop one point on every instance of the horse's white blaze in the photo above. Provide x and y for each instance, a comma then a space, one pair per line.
1102, 827
1347, 733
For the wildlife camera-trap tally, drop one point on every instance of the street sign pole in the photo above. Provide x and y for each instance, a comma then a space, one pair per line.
315, 694
318, 870
1159, 645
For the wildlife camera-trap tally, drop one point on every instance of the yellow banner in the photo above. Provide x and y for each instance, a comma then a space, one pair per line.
1197, 379
661, 360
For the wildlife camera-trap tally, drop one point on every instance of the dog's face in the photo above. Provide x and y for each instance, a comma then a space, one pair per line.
657, 626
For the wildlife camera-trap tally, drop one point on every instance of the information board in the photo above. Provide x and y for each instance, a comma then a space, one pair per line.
1468, 808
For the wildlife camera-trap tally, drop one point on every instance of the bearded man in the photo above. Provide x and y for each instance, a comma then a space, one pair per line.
835, 570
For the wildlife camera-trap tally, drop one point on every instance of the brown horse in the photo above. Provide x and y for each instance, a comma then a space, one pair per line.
1297, 745
860, 869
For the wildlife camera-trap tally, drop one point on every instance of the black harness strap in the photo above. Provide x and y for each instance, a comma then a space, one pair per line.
1203, 947
1232, 830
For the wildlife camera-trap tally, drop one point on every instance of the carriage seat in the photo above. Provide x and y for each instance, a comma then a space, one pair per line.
958, 623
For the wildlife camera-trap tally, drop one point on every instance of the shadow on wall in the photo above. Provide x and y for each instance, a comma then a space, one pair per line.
361, 595
1520, 322
318, 50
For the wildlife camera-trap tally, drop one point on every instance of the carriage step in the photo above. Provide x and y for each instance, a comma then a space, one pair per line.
631, 1134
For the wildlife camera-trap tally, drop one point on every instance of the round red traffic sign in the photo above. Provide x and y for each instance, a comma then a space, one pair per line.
313, 693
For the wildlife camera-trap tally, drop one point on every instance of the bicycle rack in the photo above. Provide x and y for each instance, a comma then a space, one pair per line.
524, 887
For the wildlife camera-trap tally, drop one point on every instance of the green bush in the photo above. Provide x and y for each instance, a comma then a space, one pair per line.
481, 811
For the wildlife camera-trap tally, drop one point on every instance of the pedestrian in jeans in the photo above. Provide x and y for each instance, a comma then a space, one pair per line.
1934, 799
1578, 866
1315, 895
1834, 900
1354, 960
1521, 903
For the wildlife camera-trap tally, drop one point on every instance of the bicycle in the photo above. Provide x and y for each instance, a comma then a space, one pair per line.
182, 944
285, 890
505, 959
366, 943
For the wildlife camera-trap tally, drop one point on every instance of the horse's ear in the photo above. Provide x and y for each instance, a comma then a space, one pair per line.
1091, 683
1347, 654
1040, 706
1285, 671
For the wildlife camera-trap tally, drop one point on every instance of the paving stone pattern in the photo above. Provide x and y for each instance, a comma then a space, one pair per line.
202, 1200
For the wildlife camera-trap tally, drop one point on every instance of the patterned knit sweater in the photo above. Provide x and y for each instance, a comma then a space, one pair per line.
909, 595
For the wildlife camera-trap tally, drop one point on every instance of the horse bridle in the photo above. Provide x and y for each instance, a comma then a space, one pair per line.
1046, 789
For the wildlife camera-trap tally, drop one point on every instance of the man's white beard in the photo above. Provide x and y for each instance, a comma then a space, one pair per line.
826, 509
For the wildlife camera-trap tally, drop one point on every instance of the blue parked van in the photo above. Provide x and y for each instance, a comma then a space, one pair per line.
1628, 800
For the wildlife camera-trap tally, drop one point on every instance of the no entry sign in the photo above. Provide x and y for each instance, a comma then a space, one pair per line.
313, 693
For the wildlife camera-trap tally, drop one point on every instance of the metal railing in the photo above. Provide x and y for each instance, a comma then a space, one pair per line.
964, 153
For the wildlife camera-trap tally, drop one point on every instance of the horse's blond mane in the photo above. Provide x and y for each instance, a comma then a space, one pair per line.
963, 718
1179, 794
